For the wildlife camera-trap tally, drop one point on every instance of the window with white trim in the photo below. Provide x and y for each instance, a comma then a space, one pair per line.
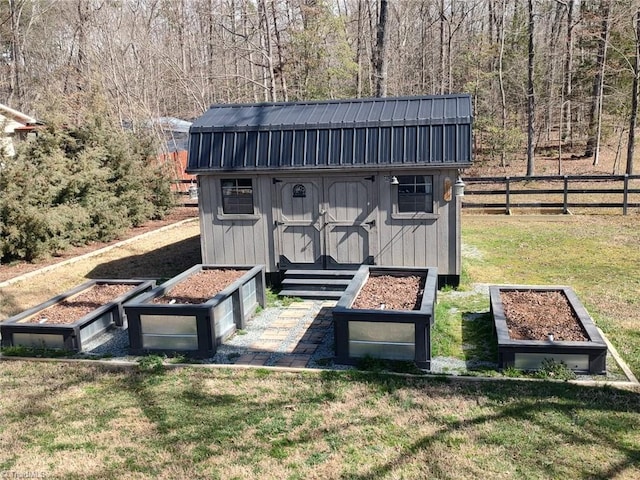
237, 196
415, 193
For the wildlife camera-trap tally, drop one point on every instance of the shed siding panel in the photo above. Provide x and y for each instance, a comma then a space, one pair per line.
415, 242
207, 205
231, 241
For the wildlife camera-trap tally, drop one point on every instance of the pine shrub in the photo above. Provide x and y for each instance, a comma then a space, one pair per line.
70, 186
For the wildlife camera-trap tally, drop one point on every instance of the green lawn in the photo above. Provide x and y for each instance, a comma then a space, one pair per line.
69, 420
599, 256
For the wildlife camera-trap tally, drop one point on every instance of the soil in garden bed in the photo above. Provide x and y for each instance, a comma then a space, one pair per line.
390, 292
533, 315
200, 287
73, 309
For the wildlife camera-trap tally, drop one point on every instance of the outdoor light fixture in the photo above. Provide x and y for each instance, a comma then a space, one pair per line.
458, 187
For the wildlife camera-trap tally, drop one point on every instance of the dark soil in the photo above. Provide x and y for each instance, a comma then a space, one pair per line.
390, 292
73, 309
200, 287
533, 315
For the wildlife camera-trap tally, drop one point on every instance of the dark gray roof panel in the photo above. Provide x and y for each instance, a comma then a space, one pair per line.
337, 113
337, 133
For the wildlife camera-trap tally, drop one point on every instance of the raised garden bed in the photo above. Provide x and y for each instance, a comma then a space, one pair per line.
538, 324
71, 319
195, 311
386, 313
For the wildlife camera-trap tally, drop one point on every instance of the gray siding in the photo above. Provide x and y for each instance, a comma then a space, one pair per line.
235, 239
431, 240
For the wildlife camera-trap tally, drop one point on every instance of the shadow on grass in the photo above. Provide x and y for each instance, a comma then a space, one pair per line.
522, 429
575, 418
8, 305
480, 346
162, 263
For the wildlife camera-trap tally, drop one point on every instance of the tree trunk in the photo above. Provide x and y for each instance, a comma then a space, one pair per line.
503, 99
442, 64
270, 78
634, 99
598, 86
568, 74
16, 97
280, 67
359, 51
380, 55
530, 98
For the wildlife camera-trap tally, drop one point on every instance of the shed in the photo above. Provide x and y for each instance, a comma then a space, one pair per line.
333, 184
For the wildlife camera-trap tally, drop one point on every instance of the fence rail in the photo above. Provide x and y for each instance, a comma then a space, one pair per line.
563, 192
186, 192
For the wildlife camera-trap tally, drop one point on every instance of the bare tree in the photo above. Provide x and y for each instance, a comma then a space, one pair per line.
634, 97
530, 96
595, 120
380, 52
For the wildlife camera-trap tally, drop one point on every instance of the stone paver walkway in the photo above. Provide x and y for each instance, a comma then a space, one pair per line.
297, 336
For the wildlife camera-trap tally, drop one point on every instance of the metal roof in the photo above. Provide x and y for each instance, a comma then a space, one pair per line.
333, 133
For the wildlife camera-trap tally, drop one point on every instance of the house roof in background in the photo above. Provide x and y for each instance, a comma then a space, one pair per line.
16, 115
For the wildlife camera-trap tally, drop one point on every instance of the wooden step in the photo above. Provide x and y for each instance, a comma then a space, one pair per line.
319, 273
324, 294
334, 282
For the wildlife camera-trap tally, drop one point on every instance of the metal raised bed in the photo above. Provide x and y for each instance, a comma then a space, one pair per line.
580, 356
385, 334
18, 330
194, 328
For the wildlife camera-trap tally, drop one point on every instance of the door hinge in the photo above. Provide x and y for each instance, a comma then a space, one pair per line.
372, 223
371, 178
276, 180
277, 223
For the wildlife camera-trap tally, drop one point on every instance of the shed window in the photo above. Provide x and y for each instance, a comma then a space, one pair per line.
237, 196
415, 193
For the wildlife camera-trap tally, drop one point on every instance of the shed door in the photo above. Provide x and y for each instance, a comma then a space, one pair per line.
298, 222
324, 223
349, 218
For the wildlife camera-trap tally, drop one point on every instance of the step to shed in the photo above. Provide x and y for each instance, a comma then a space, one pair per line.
323, 294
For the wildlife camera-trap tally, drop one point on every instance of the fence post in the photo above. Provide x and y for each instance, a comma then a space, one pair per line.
625, 195
508, 196
565, 208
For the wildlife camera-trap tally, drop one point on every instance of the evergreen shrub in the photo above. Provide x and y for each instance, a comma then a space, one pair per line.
74, 185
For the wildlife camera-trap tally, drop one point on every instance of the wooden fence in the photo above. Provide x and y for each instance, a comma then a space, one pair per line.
186, 192
547, 194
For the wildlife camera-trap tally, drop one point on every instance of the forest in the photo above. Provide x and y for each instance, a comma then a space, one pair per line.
544, 74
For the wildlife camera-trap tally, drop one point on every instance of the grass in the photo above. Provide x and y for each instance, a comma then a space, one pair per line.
83, 421
72, 421
598, 256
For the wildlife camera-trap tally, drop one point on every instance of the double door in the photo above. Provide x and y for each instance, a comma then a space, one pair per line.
324, 223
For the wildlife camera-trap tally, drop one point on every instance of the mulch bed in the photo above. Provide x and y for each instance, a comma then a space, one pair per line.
73, 309
200, 287
533, 315
390, 292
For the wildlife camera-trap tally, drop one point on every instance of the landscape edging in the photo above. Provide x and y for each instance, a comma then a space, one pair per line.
94, 253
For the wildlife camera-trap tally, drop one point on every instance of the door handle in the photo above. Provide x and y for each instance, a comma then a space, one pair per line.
372, 223
277, 223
